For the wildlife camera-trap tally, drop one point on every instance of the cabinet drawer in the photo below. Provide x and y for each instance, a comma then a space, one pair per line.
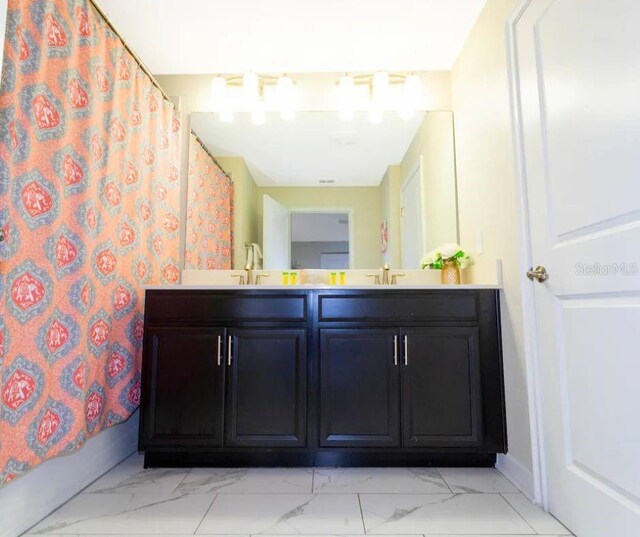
395, 306
233, 306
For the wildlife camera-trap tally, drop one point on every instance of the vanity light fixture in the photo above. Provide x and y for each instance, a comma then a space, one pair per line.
380, 88
250, 87
251, 97
410, 97
346, 97
258, 113
285, 93
381, 98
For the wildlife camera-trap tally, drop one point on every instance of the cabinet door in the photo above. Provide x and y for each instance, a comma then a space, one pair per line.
267, 379
359, 399
184, 381
441, 403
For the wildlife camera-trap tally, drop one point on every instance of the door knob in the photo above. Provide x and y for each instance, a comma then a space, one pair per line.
540, 274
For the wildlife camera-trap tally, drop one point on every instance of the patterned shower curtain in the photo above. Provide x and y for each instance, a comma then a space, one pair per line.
89, 200
209, 212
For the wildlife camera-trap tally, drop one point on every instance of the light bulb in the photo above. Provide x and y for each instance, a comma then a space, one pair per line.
218, 93
258, 113
286, 97
346, 98
381, 88
250, 87
410, 97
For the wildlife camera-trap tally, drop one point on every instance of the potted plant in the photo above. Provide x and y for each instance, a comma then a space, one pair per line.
448, 259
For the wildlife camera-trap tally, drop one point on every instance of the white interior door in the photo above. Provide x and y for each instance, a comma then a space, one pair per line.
578, 84
276, 233
411, 221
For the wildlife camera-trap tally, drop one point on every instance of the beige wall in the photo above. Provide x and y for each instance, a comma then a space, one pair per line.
487, 199
390, 211
245, 207
364, 201
434, 142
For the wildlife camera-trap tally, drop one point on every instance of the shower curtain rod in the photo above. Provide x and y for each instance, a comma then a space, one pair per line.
129, 49
100, 11
215, 161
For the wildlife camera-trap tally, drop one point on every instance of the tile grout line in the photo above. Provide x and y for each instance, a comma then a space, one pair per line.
519, 514
444, 480
207, 512
364, 527
182, 480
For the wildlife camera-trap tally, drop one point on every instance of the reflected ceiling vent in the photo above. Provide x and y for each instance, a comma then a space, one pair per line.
326, 181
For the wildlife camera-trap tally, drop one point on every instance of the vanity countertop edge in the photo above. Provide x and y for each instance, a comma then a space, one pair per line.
303, 287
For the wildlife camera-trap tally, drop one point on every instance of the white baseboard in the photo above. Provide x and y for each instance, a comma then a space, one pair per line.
32, 497
518, 474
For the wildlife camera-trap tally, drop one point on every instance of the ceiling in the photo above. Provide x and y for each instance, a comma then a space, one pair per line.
315, 146
232, 36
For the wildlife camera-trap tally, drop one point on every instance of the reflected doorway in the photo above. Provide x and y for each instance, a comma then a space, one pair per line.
320, 240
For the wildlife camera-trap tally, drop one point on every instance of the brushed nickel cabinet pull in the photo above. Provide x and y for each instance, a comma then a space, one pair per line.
406, 351
219, 350
229, 351
395, 350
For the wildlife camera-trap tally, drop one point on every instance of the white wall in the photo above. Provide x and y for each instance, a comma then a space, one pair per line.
30, 498
487, 204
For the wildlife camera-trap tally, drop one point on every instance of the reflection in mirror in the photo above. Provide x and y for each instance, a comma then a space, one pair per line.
319, 240
318, 192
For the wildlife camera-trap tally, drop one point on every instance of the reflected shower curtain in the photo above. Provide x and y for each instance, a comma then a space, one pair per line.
89, 199
209, 212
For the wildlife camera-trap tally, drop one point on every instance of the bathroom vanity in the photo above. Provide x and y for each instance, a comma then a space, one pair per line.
325, 376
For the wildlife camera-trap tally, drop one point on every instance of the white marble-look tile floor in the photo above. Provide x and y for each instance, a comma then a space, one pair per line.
320, 502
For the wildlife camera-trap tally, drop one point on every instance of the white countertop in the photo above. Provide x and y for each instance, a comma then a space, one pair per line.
399, 287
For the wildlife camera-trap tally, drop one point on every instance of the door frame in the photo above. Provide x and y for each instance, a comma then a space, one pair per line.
330, 210
416, 170
530, 330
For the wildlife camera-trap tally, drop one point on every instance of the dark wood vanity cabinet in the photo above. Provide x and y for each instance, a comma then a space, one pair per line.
322, 376
424, 382
267, 387
359, 388
183, 387
441, 387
